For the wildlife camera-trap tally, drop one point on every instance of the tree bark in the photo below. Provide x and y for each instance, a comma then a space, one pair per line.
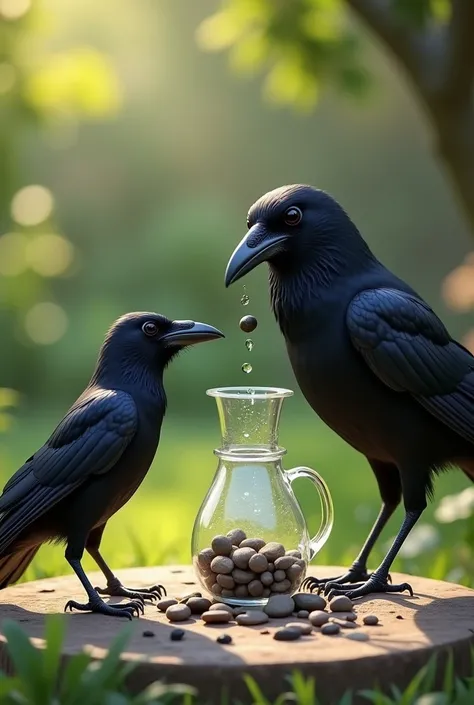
439, 65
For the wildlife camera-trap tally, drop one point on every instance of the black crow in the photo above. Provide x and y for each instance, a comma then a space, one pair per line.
370, 356
96, 458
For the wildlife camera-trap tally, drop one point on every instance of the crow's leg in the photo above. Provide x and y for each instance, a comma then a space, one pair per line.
388, 479
114, 586
74, 552
415, 482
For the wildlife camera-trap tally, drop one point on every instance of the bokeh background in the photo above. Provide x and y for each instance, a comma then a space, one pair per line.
129, 156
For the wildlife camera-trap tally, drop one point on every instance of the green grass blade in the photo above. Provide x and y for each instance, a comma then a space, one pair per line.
26, 661
54, 636
448, 678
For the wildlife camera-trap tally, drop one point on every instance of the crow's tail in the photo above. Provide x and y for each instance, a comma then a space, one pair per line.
12, 567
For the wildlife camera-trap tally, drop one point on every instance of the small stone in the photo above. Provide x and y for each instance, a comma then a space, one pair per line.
216, 589
279, 575
301, 563
284, 586
279, 606
266, 592
242, 577
248, 324
258, 563
341, 603
294, 553
266, 578
236, 536
358, 636
226, 581
399, 616
240, 610
242, 556
222, 564
371, 620
330, 628
224, 639
256, 544
227, 593
251, 617
302, 614
198, 605
255, 588
177, 634
147, 632
271, 567
318, 618
218, 606
221, 545
205, 557
294, 571
343, 623
272, 551
265, 631
287, 634
284, 562
178, 613
216, 616
241, 591
164, 604
185, 598
308, 601
305, 628
348, 616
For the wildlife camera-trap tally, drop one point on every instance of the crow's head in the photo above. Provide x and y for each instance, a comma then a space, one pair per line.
289, 227
151, 340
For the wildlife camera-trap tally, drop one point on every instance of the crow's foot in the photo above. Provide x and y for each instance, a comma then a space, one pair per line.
355, 574
116, 589
373, 585
126, 609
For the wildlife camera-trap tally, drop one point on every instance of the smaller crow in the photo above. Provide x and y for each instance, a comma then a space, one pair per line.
96, 458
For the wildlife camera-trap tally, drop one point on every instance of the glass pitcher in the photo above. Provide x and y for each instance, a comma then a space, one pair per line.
250, 539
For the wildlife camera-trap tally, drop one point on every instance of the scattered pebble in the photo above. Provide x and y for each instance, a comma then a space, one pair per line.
248, 324
330, 628
308, 601
343, 623
177, 634
341, 603
252, 617
302, 614
305, 628
318, 618
371, 620
279, 606
216, 616
399, 616
265, 631
224, 639
221, 545
221, 606
164, 604
178, 613
198, 605
236, 536
358, 636
349, 616
287, 634
147, 632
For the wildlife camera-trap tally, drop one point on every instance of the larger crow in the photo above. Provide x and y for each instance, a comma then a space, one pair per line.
370, 356
97, 457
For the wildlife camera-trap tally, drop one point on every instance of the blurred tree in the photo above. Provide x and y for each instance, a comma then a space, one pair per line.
305, 44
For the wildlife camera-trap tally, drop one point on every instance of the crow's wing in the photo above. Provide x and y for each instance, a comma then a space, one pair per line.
88, 441
409, 349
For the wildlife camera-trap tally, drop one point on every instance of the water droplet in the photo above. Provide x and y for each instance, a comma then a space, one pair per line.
249, 344
245, 300
246, 435
247, 368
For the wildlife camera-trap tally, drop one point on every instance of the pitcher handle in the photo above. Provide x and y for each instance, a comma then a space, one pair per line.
327, 510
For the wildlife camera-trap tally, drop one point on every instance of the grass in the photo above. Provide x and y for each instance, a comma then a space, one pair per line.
155, 526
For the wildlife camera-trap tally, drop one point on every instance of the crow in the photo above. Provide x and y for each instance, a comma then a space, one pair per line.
369, 355
96, 458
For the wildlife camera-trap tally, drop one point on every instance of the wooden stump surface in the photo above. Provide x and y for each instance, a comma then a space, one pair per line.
439, 617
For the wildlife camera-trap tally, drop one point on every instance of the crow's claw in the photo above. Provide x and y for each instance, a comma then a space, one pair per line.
369, 587
116, 589
355, 574
100, 607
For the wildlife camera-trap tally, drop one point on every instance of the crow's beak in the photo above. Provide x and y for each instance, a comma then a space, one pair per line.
184, 333
256, 247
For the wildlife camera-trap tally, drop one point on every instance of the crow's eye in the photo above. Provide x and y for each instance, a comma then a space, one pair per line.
293, 216
150, 328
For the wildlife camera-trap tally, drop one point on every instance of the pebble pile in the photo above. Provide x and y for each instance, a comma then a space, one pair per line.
311, 615
235, 566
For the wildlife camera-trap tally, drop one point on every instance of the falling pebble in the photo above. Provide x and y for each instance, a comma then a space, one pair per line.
247, 368
248, 324
245, 300
249, 344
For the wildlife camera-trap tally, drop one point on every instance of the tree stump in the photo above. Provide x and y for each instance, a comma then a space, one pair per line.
439, 618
